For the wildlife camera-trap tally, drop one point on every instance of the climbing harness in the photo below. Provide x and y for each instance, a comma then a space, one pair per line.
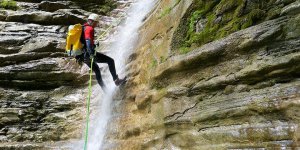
90, 84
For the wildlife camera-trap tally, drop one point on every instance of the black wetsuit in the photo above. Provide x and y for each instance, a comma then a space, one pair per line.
89, 49
98, 58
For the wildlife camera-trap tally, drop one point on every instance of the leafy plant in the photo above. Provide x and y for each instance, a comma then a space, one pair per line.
8, 4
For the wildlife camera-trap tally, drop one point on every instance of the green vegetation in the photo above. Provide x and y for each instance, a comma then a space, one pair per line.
225, 6
210, 20
8, 4
162, 59
177, 2
166, 11
107, 7
99, 7
153, 63
273, 13
184, 50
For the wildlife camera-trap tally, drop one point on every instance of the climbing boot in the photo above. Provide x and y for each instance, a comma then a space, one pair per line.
120, 81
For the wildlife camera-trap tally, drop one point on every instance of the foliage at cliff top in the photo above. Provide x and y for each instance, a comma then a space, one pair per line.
99, 6
209, 20
96, 6
86, 1
8, 4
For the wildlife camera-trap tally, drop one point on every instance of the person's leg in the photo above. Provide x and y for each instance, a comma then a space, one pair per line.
79, 59
101, 58
96, 69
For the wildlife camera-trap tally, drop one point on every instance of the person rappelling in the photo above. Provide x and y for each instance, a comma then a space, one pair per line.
81, 44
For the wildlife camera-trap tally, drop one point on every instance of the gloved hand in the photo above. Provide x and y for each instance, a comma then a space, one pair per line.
96, 44
92, 56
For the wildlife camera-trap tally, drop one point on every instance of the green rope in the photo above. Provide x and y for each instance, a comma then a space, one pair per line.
90, 91
88, 107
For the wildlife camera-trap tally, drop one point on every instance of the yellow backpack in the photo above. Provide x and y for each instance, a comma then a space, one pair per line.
74, 44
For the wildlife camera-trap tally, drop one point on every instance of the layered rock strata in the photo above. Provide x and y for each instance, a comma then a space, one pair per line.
240, 91
43, 92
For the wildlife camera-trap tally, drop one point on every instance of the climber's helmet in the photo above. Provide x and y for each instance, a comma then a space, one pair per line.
93, 19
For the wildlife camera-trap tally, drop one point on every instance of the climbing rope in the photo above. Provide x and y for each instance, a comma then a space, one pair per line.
88, 107
90, 84
110, 27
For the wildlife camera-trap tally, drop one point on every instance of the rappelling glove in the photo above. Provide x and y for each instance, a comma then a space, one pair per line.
96, 44
90, 48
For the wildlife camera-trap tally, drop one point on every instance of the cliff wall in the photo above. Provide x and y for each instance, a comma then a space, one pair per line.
42, 90
218, 74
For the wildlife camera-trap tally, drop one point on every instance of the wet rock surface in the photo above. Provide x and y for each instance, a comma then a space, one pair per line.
237, 92
42, 91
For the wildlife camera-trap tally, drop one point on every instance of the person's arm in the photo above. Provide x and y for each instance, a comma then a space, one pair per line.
90, 47
88, 36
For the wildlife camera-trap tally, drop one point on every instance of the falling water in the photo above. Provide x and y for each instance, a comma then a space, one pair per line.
122, 45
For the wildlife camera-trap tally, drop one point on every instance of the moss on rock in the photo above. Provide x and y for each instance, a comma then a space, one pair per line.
223, 18
8, 4
102, 7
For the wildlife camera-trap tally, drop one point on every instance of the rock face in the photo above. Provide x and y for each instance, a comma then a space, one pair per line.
237, 90
43, 92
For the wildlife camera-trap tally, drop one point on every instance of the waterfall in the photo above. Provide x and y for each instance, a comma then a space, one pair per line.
121, 46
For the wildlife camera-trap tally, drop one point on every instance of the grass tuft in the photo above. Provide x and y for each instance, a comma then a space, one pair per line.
8, 4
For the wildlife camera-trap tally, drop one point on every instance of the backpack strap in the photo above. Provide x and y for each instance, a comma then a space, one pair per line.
82, 38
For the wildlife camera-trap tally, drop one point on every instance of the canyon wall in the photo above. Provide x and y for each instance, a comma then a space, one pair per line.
43, 91
220, 74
